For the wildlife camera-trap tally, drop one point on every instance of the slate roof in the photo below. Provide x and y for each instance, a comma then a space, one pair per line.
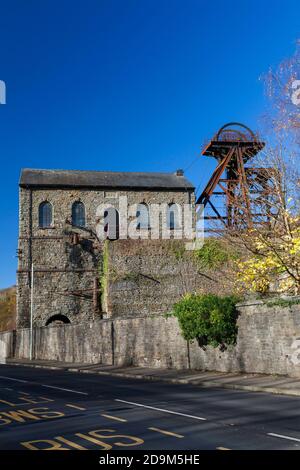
103, 179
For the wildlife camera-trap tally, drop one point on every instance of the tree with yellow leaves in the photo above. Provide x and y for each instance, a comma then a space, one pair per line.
272, 251
274, 260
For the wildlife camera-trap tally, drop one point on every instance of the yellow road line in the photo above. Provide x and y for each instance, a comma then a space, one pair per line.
104, 445
70, 443
168, 433
76, 407
222, 448
8, 403
46, 398
116, 418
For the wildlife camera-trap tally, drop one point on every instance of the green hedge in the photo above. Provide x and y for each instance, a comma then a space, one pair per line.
208, 318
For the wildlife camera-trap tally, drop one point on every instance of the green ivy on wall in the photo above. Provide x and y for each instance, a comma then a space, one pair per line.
214, 254
103, 275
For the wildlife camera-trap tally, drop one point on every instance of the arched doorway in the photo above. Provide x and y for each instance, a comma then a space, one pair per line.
57, 320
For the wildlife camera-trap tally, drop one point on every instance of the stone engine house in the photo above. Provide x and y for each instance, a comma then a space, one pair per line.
58, 241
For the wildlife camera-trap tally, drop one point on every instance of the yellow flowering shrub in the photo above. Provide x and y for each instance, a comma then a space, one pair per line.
275, 258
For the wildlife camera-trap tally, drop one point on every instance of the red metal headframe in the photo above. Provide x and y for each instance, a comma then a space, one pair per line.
233, 146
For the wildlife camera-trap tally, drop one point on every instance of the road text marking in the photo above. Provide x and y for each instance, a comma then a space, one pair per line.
168, 433
70, 443
162, 410
97, 437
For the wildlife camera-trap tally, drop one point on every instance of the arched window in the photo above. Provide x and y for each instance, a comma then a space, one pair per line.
78, 214
173, 218
45, 214
111, 223
142, 215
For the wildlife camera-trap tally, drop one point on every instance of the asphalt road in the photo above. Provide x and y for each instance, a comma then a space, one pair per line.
49, 409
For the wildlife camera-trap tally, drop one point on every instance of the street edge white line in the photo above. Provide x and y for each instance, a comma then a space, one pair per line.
64, 389
162, 410
281, 436
43, 385
16, 380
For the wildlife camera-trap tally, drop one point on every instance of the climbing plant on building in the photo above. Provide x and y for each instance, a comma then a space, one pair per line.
214, 254
103, 275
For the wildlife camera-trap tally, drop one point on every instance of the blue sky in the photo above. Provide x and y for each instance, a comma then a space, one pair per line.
134, 85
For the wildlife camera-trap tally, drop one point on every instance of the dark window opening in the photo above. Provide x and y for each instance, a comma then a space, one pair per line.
78, 214
45, 215
173, 216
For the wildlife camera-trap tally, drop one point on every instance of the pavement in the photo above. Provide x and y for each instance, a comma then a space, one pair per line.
251, 382
46, 409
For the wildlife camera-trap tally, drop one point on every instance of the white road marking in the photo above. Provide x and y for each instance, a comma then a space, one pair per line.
16, 380
64, 389
42, 385
162, 410
283, 437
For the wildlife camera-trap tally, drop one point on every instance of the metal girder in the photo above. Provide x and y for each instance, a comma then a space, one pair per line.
233, 146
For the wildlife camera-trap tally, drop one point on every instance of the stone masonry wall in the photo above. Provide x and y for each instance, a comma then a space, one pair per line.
268, 342
148, 276
65, 274
6, 345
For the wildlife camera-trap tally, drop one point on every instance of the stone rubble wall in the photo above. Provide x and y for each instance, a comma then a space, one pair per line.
268, 342
65, 273
6, 345
148, 276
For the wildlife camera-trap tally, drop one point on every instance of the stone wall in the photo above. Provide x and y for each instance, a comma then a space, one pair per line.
66, 273
148, 341
88, 343
268, 342
6, 345
148, 276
